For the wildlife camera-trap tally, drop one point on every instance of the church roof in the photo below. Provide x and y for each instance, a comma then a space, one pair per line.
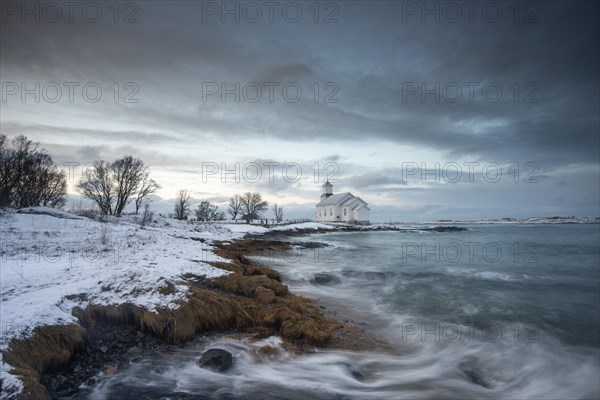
343, 199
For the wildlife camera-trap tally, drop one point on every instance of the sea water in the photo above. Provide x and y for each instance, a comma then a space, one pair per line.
494, 312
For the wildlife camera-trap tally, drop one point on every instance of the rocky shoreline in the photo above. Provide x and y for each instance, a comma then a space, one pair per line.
108, 349
283, 235
251, 300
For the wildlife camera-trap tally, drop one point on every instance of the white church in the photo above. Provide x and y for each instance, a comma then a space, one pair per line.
341, 207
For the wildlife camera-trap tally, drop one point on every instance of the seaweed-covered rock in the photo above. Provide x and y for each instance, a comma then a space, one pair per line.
217, 359
325, 279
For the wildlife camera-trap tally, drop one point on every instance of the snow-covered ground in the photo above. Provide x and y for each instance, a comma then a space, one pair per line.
52, 261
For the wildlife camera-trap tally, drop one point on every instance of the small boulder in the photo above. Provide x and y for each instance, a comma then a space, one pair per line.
476, 378
325, 279
268, 351
217, 359
356, 373
134, 350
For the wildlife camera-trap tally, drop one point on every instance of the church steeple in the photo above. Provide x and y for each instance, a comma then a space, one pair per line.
327, 190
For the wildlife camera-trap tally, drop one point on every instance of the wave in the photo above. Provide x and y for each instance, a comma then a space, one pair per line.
422, 371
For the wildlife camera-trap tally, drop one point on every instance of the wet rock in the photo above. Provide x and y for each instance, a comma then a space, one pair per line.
268, 351
476, 378
368, 275
66, 390
355, 372
53, 384
134, 350
126, 339
445, 229
357, 375
310, 245
217, 359
106, 351
107, 337
325, 279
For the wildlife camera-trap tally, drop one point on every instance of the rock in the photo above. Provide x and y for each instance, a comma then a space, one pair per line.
325, 279
217, 359
106, 336
268, 351
53, 385
134, 350
367, 275
310, 245
446, 229
104, 349
66, 390
476, 378
355, 372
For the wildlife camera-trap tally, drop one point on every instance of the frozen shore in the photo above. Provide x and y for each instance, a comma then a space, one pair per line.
61, 273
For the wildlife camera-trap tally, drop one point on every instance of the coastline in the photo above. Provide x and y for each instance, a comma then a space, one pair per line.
171, 281
245, 307
55, 360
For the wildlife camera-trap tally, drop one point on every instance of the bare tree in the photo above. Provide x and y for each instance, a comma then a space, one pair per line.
119, 182
28, 176
278, 211
182, 205
96, 184
235, 206
147, 216
252, 206
147, 187
56, 188
9, 171
128, 174
6, 172
206, 211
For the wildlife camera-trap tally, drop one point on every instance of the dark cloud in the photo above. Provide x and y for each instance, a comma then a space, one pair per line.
292, 72
373, 180
366, 62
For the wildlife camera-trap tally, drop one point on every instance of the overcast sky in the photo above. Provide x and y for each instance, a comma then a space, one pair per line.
415, 107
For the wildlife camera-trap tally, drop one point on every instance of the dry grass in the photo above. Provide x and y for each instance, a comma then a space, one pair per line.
205, 310
260, 291
247, 285
48, 348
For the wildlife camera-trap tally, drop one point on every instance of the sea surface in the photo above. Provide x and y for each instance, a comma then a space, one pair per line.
495, 312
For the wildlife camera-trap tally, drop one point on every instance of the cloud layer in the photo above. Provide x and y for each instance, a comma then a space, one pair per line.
382, 86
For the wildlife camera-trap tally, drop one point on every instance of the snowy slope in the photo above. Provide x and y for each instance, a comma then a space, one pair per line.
52, 261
